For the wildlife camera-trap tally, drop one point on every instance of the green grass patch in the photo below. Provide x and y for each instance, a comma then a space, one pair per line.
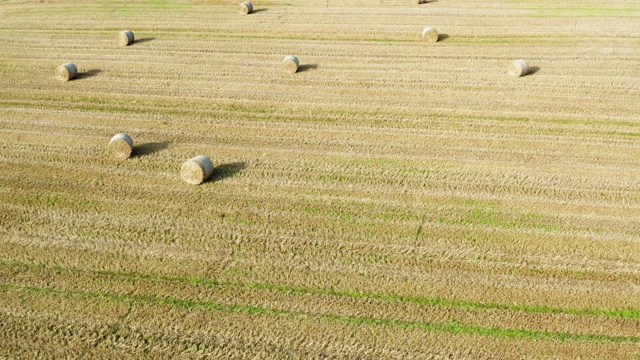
49, 200
474, 213
585, 11
166, 4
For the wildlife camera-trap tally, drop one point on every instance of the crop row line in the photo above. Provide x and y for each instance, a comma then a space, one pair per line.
629, 313
450, 327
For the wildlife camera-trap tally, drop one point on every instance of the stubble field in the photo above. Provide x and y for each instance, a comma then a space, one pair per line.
392, 199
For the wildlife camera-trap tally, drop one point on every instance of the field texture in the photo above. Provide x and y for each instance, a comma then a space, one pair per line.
392, 199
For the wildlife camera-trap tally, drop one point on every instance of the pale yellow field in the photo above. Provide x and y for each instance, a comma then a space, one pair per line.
392, 199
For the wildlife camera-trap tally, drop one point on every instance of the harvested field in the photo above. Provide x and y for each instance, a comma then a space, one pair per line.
390, 200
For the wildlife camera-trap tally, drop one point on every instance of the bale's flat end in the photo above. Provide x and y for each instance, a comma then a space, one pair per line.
290, 64
195, 171
125, 38
519, 68
120, 147
119, 150
246, 7
66, 71
429, 34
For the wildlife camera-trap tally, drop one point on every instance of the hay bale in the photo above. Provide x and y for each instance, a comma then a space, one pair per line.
519, 68
430, 34
120, 146
290, 64
195, 171
246, 7
421, 1
125, 38
66, 71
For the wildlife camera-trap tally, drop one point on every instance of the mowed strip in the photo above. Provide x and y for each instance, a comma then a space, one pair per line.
389, 307
150, 326
450, 326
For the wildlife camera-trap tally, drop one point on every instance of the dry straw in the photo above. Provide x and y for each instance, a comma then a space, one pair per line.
290, 64
195, 171
125, 38
120, 146
519, 68
66, 71
430, 34
246, 7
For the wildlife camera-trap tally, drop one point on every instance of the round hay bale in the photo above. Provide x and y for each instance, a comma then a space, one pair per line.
421, 1
66, 71
120, 146
195, 171
430, 34
125, 38
246, 7
290, 64
519, 68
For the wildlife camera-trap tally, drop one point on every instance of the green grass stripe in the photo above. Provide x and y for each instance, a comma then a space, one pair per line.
451, 327
629, 313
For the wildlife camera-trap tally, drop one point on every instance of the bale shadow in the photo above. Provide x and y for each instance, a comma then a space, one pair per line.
533, 70
150, 148
259, 10
224, 171
307, 67
143, 40
442, 37
87, 74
